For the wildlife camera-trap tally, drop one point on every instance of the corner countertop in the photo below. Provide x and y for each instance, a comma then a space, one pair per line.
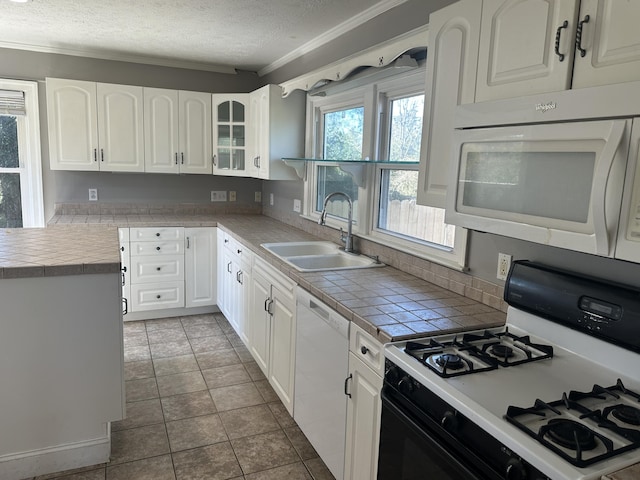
53, 251
386, 302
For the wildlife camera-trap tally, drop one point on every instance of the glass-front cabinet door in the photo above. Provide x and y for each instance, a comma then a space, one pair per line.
230, 129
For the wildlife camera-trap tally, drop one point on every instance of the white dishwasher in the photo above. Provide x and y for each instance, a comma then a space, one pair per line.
322, 366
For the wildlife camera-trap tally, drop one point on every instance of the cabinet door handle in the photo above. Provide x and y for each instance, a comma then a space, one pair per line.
176, 158
122, 278
182, 158
229, 267
269, 309
102, 154
125, 304
122, 249
95, 154
214, 161
239, 251
266, 304
240, 277
561, 56
346, 385
582, 51
188, 244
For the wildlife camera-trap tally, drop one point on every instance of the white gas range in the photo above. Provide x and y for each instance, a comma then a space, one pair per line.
534, 400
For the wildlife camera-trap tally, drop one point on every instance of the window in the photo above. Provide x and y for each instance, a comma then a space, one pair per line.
21, 203
381, 120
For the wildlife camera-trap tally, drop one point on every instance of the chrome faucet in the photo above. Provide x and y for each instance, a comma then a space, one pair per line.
348, 238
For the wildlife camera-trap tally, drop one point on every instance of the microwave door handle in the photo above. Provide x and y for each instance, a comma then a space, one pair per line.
601, 223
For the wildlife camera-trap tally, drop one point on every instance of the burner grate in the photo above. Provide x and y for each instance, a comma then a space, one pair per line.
575, 430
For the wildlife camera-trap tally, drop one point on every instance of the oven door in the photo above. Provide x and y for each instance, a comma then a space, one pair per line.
414, 447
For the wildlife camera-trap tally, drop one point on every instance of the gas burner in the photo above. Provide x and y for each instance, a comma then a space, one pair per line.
569, 434
502, 351
449, 360
626, 414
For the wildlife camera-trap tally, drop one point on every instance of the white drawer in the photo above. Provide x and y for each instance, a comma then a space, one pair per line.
163, 268
156, 296
148, 234
157, 247
366, 348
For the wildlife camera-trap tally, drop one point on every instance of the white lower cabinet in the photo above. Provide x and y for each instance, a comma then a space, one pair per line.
272, 328
366, 367
168, 267
234, 277
200, 267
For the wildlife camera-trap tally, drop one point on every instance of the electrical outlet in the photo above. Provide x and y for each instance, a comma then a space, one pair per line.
504, 264
93, 194
271, 199
296, 205
257, 197
218, 196
232, 196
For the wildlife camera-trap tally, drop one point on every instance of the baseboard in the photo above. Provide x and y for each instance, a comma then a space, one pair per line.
55, 459
169, 312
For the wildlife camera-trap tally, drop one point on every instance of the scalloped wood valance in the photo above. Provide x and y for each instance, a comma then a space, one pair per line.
377, 56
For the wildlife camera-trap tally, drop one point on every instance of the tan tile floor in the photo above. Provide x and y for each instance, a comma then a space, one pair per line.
198, 407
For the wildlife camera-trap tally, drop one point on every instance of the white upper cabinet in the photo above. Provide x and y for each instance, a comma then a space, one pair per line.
230, 129
276, 130
538, 46
120, 128
451, 80
73, 124
518, 53
161, 130
177, 131
195, 132
95, 126
610, 42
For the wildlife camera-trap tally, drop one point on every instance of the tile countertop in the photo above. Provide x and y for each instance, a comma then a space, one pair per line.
53, 251
386, 302
629, 473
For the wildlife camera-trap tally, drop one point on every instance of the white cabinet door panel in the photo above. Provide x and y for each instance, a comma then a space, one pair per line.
517, 43
200, 267
161, 130
120, 128
282, 347
611, 43
451, 80
195, 132
73, 125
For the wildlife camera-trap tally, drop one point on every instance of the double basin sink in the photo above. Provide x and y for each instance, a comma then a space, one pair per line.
316, 256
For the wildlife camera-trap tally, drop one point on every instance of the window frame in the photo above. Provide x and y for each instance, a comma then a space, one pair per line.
376, 97
29, 153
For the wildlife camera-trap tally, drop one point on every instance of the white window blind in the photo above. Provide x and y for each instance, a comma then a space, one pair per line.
12, 102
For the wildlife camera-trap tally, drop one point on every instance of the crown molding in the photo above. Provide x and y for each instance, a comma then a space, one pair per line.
121, 57
332, 34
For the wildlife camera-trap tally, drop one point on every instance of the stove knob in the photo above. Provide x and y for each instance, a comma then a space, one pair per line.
515, 470
405, 385
392, 375
449, 421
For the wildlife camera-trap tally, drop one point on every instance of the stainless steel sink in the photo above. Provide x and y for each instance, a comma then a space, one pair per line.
315, 256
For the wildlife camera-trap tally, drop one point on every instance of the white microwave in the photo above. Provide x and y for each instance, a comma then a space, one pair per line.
560, 169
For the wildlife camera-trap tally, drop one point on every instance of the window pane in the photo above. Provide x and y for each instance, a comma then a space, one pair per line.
332, 179
238, 112
399, 213
10, 201
406, 129
9, 142
343, 134
224, 114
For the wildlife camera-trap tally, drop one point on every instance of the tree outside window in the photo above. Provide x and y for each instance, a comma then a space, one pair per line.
10, 194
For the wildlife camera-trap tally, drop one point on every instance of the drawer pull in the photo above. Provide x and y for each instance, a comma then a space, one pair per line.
158, 297
158, 248
122, 249
158, 234
158, 268
364, 350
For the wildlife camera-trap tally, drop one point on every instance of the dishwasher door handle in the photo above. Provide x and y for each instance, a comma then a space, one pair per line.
346, 385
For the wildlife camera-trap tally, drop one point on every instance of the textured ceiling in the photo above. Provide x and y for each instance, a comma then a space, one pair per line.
244, 34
